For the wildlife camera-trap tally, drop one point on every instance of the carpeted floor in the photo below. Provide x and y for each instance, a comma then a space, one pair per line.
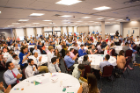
130, 84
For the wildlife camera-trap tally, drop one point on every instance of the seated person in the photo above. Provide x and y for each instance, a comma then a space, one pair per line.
16, 62
36, 50
39, 46
5, 54
82, 51
126, 47
5, 90
12, 75
121, 60
92, 81
31, 43
103, 44
100, 50
93, 50
105, 63
123, 43
72, 54
43, 48
37, 61
53, 67
86, 60
78, 69
69, 61
31, 69
107, 51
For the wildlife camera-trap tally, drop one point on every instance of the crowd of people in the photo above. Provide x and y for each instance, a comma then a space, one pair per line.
15, 56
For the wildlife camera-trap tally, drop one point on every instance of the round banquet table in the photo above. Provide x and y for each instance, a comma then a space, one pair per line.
47, 86
118, 49
97, 59
44, 58
137, 43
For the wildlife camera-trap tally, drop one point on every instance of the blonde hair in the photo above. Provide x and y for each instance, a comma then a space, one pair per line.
50, 47
106, 47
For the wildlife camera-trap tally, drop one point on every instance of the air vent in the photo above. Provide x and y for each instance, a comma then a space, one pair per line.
131, 1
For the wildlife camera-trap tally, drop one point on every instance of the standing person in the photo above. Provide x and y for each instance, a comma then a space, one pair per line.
50, 54
90, 86
23, 56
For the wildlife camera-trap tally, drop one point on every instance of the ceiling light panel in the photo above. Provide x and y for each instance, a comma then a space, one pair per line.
102, 8
68, 2
37, 14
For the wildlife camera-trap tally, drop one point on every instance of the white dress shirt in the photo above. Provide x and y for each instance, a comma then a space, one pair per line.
53, 68
50, 56
16, 63
38, 51
9, 77
36, 61
29, 71
99, 48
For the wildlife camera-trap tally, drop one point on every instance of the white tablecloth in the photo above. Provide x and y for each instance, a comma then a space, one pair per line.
47, 86
118, 49
44, 58
137, 43
97, 59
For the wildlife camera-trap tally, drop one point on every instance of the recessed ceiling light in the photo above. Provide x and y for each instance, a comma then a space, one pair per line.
102, 8
68, 2
91, 21
47, 20
36, 23
15, 23
66, 16
86, 17
0, 12
111, 19
79, 21
37, 14
133, 21
23, 20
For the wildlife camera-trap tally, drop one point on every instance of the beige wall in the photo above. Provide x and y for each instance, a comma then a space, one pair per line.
130, 25
83, 29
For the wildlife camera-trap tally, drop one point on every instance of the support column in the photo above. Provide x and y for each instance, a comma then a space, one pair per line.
42, 30
61, 30
67, 30
103, 29
25, 31
121, 28
14, 32
53, 30
35, 31
72, 30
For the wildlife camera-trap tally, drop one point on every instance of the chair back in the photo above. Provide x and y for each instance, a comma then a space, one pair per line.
113, 52
107, 71
128, 60
128, 53
66, 66
120, 41
87, 70
31, 50
75, 52
2, 65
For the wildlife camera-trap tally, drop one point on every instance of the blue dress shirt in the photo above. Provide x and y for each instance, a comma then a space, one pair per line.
9, 77
81, 52
21, 58
69, 61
